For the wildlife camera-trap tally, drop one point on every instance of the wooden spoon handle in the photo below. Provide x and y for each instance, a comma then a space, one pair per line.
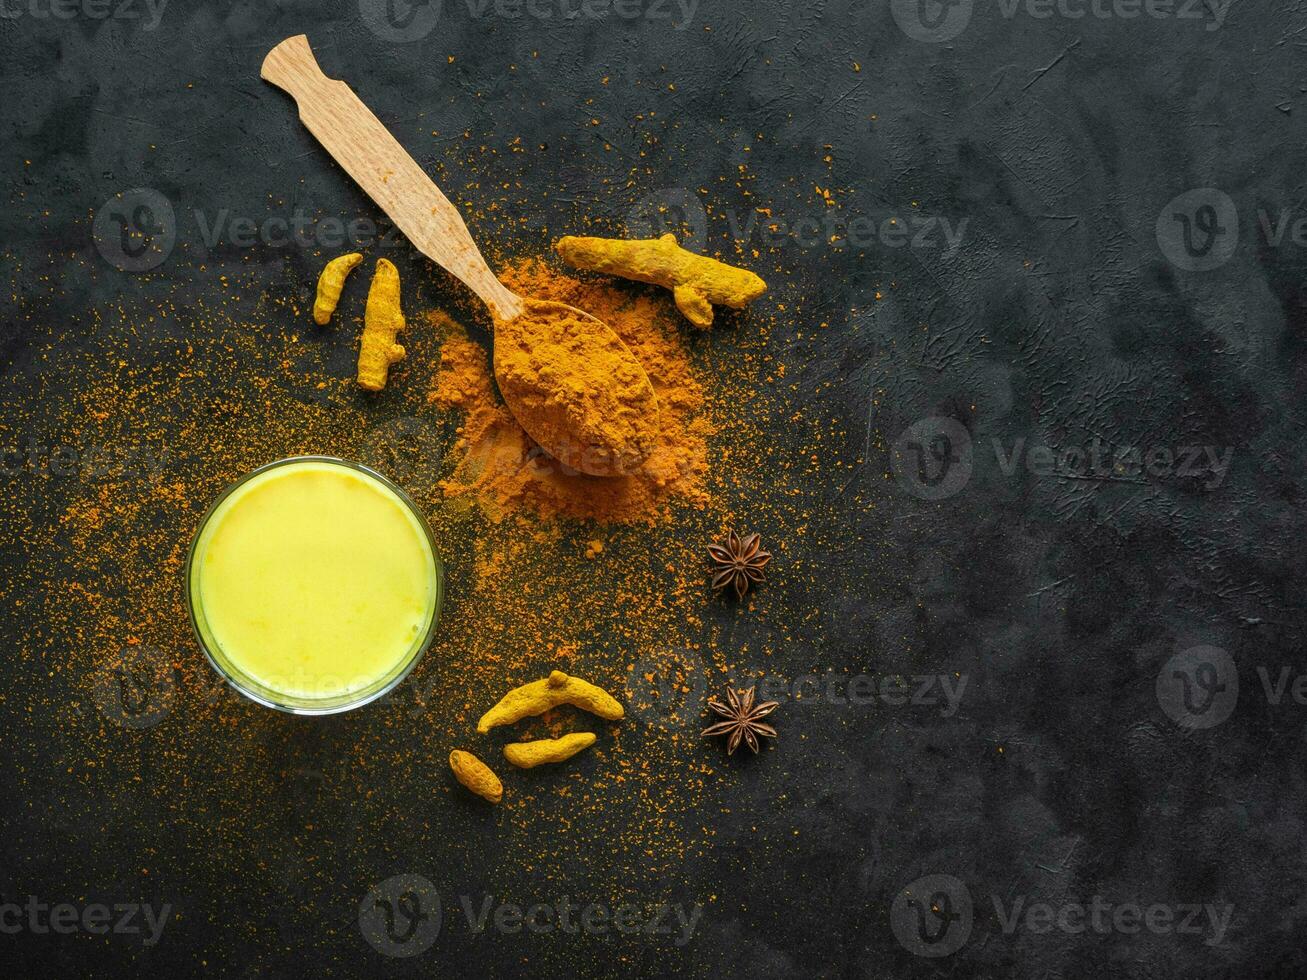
369, 154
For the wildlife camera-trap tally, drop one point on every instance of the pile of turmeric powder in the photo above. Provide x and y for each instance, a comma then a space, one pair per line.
575, 388
504, 471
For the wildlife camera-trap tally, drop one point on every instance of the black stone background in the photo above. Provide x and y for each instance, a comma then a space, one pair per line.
1060, 141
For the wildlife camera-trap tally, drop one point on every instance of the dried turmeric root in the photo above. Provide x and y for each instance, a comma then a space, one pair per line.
539, 696
476, 776
696, 281
528, 755
382, 320
330, 283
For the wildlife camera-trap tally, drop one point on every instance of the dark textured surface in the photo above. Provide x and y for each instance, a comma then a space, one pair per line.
1052, 144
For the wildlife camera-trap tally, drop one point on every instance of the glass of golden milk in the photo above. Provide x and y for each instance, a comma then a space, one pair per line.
314, 585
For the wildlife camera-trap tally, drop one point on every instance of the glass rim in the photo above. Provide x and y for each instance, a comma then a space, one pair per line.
304, 706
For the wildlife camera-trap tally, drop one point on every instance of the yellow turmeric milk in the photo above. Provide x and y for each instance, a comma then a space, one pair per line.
313, 585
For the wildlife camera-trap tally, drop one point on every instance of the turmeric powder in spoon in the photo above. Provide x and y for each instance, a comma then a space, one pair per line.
576, 389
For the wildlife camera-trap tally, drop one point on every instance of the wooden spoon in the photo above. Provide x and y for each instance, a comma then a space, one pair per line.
570, 381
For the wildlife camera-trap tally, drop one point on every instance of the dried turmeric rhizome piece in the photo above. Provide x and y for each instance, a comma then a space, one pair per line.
330, 283
382, 320
528, 755
476, 776
539, 696
697, 282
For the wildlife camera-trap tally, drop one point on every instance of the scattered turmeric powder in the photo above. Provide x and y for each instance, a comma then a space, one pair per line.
330, 284
641, 824
539, 696
476, 776
382, 320
696, 281
528, 755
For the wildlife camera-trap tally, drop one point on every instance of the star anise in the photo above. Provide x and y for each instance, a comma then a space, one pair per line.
739, 562
742, 719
